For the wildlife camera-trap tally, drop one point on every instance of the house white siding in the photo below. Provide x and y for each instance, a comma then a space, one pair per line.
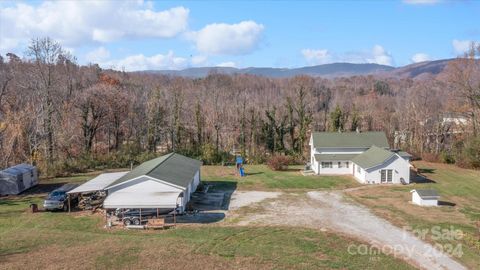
345, 167
398, 167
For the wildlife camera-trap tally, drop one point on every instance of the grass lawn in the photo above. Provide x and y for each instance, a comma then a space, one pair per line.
460, 195
260, 177
77, 241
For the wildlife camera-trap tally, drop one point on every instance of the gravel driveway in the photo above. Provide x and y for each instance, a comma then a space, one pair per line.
327, 210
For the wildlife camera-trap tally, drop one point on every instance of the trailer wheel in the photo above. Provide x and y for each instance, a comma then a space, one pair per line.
127, 222
136, 221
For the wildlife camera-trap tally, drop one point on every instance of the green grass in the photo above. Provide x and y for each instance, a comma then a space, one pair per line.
82, 240
260, 177
78, 240
458, 187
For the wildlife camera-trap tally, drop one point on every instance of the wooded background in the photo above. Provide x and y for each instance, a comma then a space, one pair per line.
65, 117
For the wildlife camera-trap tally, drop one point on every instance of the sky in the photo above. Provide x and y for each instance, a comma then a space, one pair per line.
147, 35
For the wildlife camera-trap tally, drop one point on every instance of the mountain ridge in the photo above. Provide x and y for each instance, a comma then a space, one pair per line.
332, 70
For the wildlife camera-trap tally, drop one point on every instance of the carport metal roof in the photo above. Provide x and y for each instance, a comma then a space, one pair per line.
98, 183
145, 199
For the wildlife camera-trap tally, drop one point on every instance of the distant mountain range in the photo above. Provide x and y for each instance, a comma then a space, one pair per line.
327, 70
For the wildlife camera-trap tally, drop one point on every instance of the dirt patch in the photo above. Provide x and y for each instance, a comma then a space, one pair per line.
245, 198
330, 211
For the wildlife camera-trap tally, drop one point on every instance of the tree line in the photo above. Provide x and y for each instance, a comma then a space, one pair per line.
65, 117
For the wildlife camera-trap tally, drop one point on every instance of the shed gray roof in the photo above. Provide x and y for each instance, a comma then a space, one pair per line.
349, 139
18, 169
172, 168
427, 193
373, 157
323, 157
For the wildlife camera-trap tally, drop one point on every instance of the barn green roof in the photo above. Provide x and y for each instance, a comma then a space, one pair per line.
373, 157
172, 168
349, 139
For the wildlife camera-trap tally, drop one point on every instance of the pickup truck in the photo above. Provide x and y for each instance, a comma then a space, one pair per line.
57, 199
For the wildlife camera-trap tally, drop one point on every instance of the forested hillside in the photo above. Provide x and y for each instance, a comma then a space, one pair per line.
65, 117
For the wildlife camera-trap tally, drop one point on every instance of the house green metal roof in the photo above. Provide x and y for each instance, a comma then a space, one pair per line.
323, 157
349, 139
404, 154
373, 157
172, 168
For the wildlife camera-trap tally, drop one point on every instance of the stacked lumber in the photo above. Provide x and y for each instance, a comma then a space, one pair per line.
91, 200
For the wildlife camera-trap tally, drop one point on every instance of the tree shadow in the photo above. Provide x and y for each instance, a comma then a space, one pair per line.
445, 203
42, 189
254, 173
426, 170
200, 218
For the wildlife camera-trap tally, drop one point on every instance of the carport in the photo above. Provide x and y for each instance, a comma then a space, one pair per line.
96, 184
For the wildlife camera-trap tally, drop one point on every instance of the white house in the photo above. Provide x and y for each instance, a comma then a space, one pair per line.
425, 197
164, 183
365, 155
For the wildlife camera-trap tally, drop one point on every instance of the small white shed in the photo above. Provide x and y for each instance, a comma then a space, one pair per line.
425, 197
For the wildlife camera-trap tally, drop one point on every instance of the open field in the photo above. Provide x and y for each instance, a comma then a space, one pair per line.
260, 177
78, 241
460, 198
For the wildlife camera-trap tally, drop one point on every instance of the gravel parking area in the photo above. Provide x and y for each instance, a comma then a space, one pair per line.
327, 210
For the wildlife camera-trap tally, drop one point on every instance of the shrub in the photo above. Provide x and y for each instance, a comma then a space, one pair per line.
447, 157
278, 163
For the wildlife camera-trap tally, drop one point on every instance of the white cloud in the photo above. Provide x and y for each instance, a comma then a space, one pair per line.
76, 22
380, 56
316, 57
142, 62
227, 64
377, 55
420, 57
199, 60
461, 47
421, 2
98, 55
228, 39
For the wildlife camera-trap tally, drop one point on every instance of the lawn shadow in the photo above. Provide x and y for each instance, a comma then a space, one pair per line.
213, 196
216, 196
445, 203
199, 218
254, 173
42, 188
419, 178
425, 170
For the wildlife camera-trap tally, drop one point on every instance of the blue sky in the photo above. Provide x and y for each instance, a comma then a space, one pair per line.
135, 35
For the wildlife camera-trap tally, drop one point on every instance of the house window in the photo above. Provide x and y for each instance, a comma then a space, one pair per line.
327, 165
386, 176
358, 169
340, 164
347, 164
